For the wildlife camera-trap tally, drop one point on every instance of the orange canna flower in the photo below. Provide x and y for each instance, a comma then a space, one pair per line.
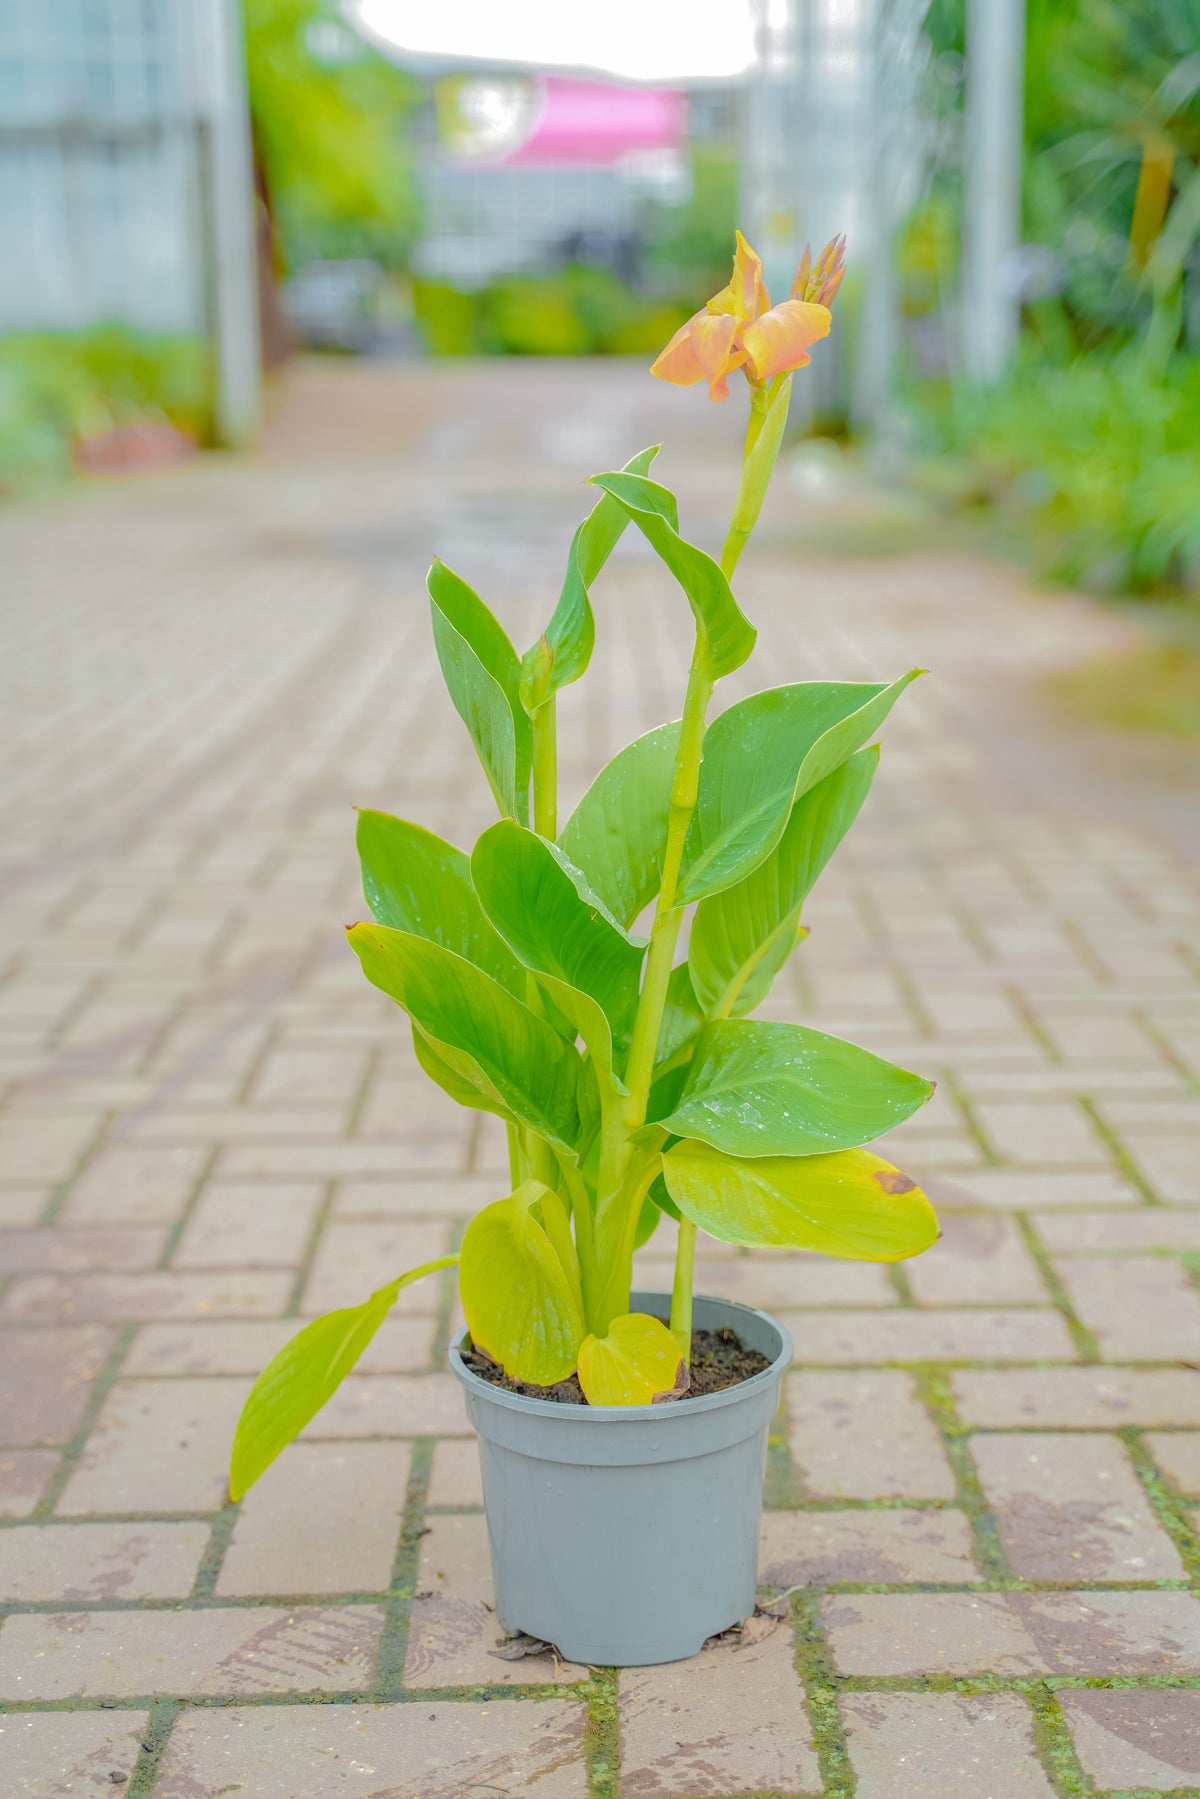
740, 329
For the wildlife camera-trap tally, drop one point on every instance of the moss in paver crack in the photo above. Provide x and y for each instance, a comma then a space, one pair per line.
814, 1664
74, 1446
1083, 1339
933, 1387
1120, 1155
163, 1713
1172, 1513
1053, 1742
393, 1644
602, 1734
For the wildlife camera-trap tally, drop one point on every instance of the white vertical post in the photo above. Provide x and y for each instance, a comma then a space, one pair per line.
995, 76
228, 178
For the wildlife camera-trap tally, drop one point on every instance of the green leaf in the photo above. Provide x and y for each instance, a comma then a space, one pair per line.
563, 932
742, 936
682, 1021
308, 1370
571, 632
518, 1301
636, 1362
759, 758
459, 1089
487, 1037
727, 635
483, 677
762, 1089
853, 1204
617, 833
416, 882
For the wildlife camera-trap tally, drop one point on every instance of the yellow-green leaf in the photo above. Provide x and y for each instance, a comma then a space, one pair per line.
727, 635
483, 677
518, 1301
616, 834
571, 632
760, 757
742, 936
760, 1087
514, 1059
851, 1204
636, 1363
308, 1370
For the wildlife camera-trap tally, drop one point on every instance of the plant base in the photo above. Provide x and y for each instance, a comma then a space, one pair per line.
628, 1535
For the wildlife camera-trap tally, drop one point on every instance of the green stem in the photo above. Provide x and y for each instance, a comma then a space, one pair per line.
681, 1293
580, 1204
516, 1155
764, 433
558, 1229
668, 916
544, 726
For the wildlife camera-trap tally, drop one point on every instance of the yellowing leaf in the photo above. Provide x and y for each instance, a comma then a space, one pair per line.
851, 1204
307, 1371
519, 1304
637, 1363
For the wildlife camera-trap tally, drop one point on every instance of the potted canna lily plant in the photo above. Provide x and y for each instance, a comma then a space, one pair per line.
623, 1434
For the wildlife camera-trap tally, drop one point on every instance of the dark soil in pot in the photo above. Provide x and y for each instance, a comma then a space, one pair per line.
719, 1359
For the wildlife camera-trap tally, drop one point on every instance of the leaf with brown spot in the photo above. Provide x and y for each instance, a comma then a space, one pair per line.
892, 1181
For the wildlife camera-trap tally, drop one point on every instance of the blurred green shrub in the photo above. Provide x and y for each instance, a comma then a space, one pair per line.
577, 311
333, 160
690, 250
1101, 456
56, 388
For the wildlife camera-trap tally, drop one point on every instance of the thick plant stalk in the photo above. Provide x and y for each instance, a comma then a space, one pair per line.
764, 434
668, 916
544, 727
681, 1293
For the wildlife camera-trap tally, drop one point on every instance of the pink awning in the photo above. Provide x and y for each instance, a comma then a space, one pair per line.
596, 122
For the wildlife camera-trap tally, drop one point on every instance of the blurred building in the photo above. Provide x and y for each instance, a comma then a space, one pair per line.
125, 184
523, 171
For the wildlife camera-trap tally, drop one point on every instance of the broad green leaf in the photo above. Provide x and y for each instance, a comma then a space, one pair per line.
483, 677
518, 1301
682, 1021
487, 1037
636, 1362
308, 1370
853, 1204
742, 937
760, 757
756, 1088
459, 1089
562, 931
728, 636
414, 881
617, 833
571, 632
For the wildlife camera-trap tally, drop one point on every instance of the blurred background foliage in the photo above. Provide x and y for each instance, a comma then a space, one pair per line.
1087, 454
328, 118
578, 310
59, 391
1092, 441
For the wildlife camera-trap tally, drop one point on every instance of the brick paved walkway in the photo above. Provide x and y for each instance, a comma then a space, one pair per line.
212, 1127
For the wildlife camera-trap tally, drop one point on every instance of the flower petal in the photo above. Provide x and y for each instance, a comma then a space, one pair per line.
780, 339
679, 362
702, 350
745, 297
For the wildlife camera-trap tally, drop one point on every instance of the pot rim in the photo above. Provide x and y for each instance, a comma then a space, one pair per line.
657, 1415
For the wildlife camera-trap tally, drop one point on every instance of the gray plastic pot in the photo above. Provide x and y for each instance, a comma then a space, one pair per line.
628, 1534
